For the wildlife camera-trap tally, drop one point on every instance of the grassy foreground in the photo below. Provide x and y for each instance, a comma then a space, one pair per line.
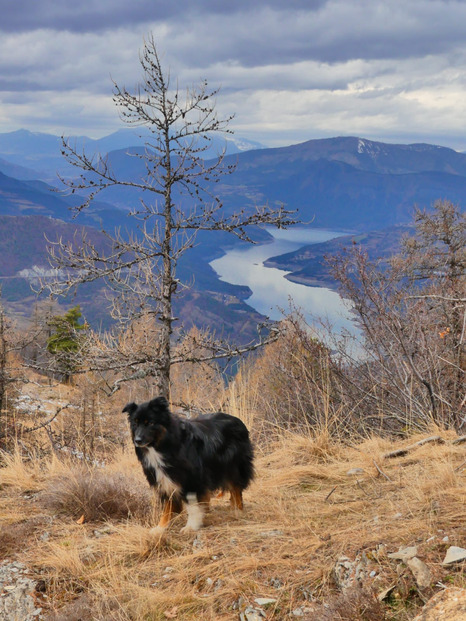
84, 530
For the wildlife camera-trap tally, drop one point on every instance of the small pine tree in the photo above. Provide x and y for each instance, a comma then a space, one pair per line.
65, 341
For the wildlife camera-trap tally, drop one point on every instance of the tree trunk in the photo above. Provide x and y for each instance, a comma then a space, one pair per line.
167, 283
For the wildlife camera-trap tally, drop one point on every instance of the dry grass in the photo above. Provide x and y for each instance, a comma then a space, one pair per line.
301, 514
94, 495
18, 473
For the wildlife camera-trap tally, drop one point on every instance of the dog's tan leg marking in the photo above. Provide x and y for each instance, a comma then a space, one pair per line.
205, 500
236, 498
170, 508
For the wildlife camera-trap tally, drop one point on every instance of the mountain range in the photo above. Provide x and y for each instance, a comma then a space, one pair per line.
39, 154
347, 183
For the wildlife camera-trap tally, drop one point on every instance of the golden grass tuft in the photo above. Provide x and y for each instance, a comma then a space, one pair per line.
19, 474
94, 495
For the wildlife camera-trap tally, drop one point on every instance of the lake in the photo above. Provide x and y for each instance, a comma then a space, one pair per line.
271, 292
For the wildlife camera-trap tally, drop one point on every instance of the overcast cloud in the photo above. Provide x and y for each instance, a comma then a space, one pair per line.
290, 70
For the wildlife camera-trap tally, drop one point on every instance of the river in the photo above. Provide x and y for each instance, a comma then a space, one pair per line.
271, 292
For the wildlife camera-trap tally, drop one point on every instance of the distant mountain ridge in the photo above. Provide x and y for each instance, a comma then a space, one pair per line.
380, 157
348, 182
41, 152
342, 183
345, 182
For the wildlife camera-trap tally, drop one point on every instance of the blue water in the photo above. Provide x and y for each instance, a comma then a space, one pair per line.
272, 294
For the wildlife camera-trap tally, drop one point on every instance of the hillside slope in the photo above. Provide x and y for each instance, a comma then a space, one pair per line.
308, 266
208, 303
315, 540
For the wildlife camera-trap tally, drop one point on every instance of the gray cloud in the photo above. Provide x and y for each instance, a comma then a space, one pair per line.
92, 16
337, 32
295, 68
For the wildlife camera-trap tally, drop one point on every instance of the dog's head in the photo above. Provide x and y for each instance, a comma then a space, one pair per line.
149, 421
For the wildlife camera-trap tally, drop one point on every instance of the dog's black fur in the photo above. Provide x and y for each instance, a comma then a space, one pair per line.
187, 460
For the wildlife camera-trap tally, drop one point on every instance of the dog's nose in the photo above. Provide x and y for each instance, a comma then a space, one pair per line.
138, 441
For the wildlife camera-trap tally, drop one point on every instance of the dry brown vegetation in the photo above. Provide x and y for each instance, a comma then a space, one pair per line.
83, 525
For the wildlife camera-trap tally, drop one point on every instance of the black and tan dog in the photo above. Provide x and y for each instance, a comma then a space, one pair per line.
187, 460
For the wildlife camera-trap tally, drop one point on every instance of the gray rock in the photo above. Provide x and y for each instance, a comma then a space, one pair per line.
454, 555
447, 605
17, 603
265, 601
355, 471
272, 533
198, 544
276, 583
251, 614
350, 573
420, 572
404, 554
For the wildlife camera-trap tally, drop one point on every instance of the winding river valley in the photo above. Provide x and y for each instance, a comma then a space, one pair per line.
271, 292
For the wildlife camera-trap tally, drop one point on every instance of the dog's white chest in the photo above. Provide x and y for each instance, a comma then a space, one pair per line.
155, 460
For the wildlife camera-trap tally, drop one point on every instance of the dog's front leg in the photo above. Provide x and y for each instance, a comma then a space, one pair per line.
196, 510
171, 506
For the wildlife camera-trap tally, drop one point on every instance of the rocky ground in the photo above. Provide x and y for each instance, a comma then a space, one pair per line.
19, 593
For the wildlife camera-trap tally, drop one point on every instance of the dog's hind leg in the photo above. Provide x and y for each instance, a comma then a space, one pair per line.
236, 497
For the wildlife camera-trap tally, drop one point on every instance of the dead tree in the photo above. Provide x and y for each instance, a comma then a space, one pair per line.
411, 311
140, 268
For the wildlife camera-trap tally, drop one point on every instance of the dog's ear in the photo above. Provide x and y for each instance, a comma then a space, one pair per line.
130, 408
159, 403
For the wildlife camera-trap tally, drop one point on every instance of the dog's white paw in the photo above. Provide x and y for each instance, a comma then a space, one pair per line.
157, 531
189, 529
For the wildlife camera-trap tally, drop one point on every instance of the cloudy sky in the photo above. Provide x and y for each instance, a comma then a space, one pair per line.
290, 70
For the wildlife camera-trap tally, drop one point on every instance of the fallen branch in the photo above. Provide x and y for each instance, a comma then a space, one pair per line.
380, 471
406, 450
330, 493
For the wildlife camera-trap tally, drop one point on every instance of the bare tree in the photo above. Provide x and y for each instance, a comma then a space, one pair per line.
176, 201
412, 315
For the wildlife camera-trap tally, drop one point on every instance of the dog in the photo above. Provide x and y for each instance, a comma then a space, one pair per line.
186, 461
